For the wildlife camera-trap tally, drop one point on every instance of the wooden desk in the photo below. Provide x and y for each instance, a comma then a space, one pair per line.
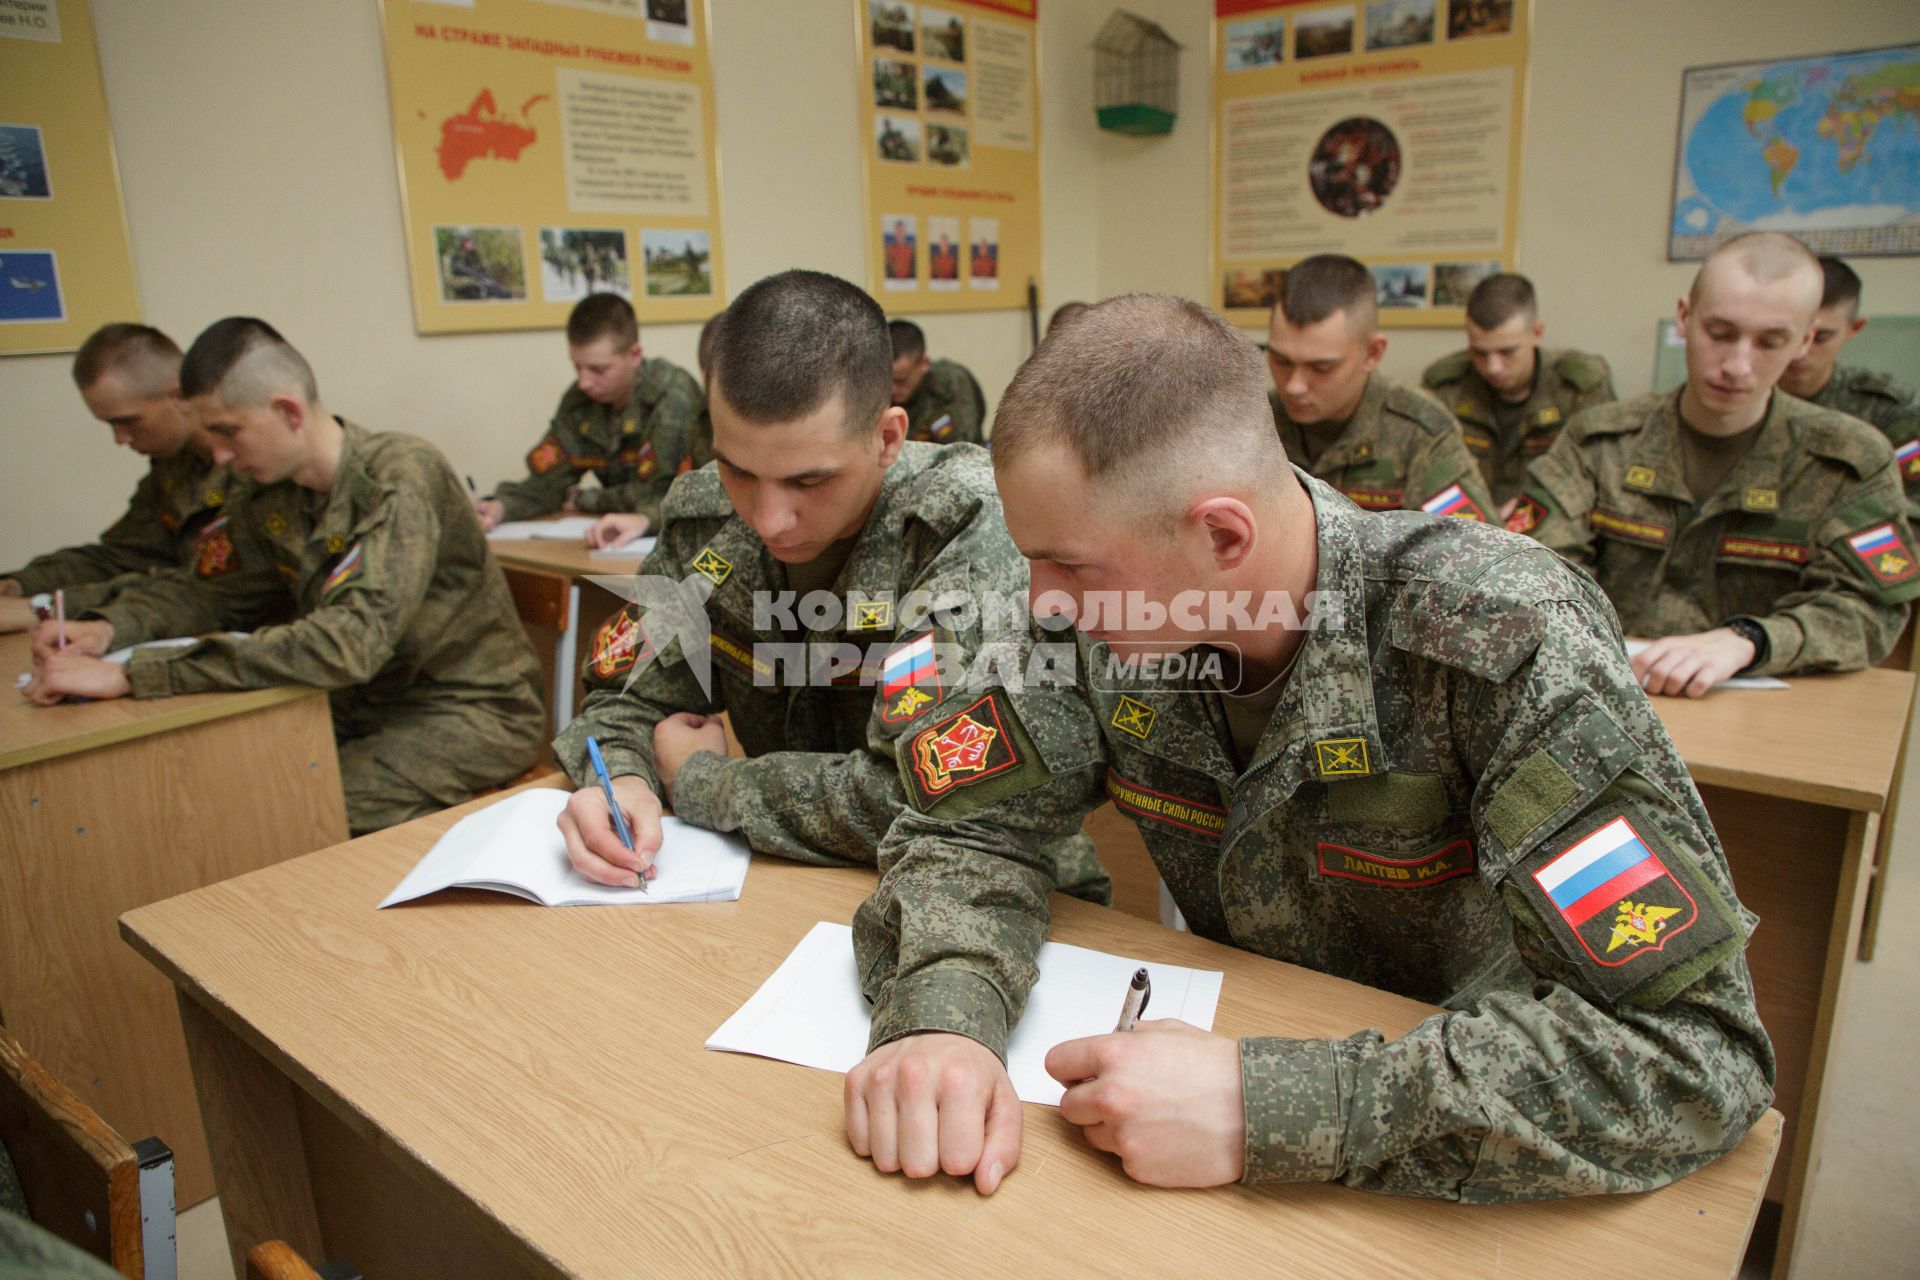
1796, 781
560, 610
474, 1086
106, 806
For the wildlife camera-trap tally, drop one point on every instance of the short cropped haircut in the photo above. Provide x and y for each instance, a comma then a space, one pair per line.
1842, 285
1137, 382
147, 359
1499, 298
1063, 313
244, 362
1317, 287
908, 339
704, 351
602, 315
1766, 256
791, 342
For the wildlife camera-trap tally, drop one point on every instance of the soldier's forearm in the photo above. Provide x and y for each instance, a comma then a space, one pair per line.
809, 806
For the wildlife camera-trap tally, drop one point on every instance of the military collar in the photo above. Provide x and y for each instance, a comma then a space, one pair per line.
1654, 464
1355, 441
1754, 483
354, 490
1325, 726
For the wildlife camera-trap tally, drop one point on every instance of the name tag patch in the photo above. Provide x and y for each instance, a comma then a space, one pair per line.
1444, 863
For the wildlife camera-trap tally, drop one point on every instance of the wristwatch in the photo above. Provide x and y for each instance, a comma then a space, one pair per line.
1749, 630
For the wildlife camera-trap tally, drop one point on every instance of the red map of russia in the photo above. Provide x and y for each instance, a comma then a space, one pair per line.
481, 131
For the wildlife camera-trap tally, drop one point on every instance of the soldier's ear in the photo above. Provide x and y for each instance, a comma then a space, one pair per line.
1854, 327
892, 430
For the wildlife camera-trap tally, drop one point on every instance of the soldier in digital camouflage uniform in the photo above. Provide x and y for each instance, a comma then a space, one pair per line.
1745, 523
1384, 445
626, 419
943, 400
819, 782
1452, 789
1877, 398
1511, 396
128, 374
401, 612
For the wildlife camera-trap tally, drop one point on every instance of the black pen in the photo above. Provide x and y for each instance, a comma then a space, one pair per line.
1139, 991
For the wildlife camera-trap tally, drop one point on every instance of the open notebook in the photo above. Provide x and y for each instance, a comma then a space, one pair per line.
1635, 647
811, 1010
512, 846
563, 529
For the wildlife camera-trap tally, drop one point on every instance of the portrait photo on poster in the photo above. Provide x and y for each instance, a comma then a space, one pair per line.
900, 250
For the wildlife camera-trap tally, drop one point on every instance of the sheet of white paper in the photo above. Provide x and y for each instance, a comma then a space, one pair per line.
811, 1010
641, 547
565, 529
1736, 682
513, 847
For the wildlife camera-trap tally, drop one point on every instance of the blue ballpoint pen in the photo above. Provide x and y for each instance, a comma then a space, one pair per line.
613, 805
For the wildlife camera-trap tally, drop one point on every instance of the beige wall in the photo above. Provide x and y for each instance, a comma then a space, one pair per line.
259, 177
1603, 103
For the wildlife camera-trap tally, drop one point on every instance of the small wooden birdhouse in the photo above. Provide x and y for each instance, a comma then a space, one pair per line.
1136, 76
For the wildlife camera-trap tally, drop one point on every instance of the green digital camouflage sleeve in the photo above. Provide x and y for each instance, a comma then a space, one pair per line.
1853, 596
670, 427
549, 472
1444, 461
182, 602
365, 609
836, 807
1621, 1069
138, 541
622, 707
949, 939
1556, 499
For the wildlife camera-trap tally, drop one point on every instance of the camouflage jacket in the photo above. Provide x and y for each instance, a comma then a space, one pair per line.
1564, 383
819, 724
1807, 536
400, 607
173, 501
947, 407
1463, 797
1400, 449
1887, 403
634, 451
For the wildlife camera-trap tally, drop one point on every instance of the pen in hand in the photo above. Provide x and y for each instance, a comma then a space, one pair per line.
1139, 991
60, 617
613, 804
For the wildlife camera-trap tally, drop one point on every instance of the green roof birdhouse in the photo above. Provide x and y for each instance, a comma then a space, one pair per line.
1136, 76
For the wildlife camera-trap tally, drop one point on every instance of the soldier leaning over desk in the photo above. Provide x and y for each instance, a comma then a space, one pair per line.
627, 420
1446, 783
402, 614
942, 398
814, 493
1510, 396
1874, 397
1749, 530
129, 377
1385, 446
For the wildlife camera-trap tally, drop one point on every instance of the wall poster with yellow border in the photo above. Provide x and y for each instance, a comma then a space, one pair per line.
549, 149
66, 266
1388, 130
950, 140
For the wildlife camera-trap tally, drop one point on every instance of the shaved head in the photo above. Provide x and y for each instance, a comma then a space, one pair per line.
244, 362
1765, 257
1154, 395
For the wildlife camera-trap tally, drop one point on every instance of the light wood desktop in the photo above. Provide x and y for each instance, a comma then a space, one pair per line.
560, 609
476, 1086
105, 806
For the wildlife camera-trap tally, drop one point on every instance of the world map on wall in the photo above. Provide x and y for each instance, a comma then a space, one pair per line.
1827, 148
